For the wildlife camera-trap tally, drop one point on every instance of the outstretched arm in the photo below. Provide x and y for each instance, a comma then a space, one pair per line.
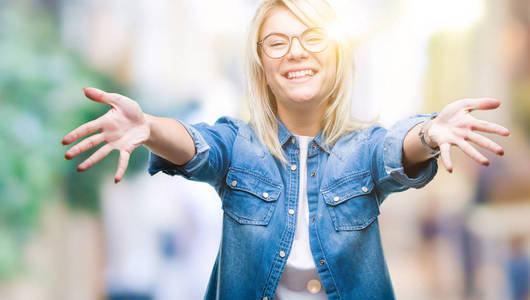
454, 126
124, 128
170, 140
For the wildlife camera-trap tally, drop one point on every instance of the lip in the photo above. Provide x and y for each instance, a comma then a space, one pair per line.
300, 80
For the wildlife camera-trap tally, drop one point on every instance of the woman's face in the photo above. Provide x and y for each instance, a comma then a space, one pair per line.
294, 89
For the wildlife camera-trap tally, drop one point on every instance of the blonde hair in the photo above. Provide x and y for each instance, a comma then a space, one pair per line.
260, 99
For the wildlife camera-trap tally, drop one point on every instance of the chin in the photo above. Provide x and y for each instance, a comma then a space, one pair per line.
302, 99
303, 96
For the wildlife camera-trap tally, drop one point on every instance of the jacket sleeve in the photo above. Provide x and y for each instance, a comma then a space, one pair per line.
213, 144
387, 159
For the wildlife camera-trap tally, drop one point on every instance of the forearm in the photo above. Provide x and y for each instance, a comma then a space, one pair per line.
413, 150
169, 139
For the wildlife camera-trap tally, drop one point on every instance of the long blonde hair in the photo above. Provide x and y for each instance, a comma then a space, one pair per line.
260, 99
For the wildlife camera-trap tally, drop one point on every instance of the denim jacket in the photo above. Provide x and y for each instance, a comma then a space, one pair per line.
346, 184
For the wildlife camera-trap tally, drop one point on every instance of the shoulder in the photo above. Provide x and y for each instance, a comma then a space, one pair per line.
241, 133
240, 127
363, 135
225, 126
229, 122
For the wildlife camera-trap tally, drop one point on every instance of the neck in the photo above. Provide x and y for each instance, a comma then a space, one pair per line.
306, 122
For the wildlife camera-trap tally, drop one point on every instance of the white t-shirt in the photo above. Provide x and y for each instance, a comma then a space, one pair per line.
300, 278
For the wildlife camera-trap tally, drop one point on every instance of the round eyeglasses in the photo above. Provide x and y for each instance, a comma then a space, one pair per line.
277, 45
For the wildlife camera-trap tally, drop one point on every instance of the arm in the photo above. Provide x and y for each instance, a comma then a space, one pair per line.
124, 128
454, 126
170, 140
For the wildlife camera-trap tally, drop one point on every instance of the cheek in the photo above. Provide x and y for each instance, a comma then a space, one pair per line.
331, 69
269, 68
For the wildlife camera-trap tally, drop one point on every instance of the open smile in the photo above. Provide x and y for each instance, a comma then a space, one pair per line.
299, 75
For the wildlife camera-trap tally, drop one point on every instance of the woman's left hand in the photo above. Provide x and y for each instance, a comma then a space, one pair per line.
454, 125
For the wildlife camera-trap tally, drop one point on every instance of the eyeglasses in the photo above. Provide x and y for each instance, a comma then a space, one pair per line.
277, 45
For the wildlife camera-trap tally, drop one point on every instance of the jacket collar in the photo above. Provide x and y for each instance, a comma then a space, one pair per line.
285, 136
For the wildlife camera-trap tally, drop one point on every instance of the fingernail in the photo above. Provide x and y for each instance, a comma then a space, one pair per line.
116, 180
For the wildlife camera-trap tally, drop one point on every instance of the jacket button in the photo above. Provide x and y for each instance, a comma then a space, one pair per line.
336, 198
322, 262
265, 195
265, 298
291, 211
282, 254
293, 167
293, 140
313, 218
313, 174
234, 183
364, 189
314, 146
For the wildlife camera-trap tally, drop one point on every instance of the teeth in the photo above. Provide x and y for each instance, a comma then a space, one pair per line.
299, 74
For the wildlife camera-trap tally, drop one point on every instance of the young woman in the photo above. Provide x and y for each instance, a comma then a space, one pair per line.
301, 183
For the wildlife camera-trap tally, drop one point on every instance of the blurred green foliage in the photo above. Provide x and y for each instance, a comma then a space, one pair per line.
41, 100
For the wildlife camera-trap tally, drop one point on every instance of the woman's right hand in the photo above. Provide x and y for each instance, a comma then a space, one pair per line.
124, 128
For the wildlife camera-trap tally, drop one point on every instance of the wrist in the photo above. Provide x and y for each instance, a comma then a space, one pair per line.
149, 121
428, 138
425, 137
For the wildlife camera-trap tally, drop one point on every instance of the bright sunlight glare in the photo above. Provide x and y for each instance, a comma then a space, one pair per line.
453, 15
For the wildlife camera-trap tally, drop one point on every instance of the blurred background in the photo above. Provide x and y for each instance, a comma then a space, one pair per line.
65, 235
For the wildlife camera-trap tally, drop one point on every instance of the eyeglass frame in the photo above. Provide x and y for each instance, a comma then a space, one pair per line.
290, 37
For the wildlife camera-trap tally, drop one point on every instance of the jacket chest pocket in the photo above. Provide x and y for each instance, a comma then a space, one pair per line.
249, 198
351, 201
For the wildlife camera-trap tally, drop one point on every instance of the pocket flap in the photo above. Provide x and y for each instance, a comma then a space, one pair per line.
247, 181
348, 187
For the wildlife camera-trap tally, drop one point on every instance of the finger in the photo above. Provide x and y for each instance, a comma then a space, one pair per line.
480, 103
485, 143
84, 145
490, 127
122, 166
473, 153
94, 158
446, 156
101, 96
85, 129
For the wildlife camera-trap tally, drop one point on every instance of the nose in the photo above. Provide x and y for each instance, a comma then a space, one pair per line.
297, 51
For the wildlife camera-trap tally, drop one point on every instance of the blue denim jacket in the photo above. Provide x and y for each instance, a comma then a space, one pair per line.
346, 184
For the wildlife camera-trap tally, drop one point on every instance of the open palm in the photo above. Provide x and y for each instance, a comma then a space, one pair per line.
455, 126
123, 128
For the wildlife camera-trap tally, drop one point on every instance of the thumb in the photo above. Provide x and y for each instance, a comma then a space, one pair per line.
99, 96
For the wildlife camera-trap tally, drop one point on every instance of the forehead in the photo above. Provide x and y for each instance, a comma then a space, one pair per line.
282, 20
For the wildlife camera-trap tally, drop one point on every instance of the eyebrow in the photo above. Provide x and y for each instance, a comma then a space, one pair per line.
287, 34
274, 32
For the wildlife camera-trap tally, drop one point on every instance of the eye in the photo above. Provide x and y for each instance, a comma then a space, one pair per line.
315, 40
276, 42
314, 36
